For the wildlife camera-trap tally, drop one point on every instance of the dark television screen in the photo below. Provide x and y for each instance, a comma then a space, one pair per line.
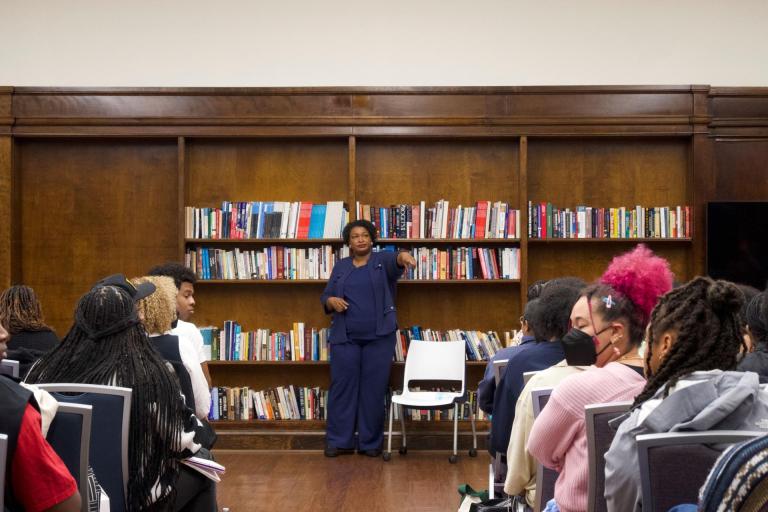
737, 242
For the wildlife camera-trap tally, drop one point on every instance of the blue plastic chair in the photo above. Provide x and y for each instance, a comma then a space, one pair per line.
70, 437
109, 433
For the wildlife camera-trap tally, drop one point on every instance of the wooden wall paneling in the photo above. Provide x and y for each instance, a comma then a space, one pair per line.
352, 177
182, 193
700, 184
92, 208
522, 202
274, 305
464, 171
608, 172
7, 214
740, 169
267, 170
589, 260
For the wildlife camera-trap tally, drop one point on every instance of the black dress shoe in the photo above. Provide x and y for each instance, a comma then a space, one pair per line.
332, 451
371, 453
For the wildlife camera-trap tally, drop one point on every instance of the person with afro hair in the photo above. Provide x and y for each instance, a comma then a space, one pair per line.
609, 317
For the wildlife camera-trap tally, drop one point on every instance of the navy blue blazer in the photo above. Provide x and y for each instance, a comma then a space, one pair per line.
384, 275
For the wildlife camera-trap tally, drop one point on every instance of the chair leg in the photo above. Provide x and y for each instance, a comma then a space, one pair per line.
473, 451
404, 445
388, 454
453, 458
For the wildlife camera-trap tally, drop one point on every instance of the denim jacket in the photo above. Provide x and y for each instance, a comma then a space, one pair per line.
384, 272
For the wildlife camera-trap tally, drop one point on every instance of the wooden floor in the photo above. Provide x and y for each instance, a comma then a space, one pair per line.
295, 480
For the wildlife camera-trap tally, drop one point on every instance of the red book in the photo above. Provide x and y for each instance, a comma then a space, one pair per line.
415, 221
483, 267
481, 214
280, 268
543, 220
687, 221
305, 214
492, 255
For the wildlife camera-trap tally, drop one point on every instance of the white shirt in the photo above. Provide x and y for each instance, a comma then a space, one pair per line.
190, 360
191, 335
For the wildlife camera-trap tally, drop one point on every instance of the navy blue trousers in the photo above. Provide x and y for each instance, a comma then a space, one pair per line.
359, 382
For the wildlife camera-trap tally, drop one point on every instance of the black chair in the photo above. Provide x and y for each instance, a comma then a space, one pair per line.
70, 437
3, 455
9, 367
545, 477
109, 433
674, 465
599, 438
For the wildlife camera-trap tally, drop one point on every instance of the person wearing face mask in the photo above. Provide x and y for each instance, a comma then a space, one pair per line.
608, 324
360, 295
693, 341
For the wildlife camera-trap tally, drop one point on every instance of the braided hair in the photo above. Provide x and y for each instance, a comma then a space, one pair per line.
108, 345
20, 310
704, 314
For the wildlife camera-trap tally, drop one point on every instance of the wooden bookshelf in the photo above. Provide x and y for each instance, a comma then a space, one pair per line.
99, 178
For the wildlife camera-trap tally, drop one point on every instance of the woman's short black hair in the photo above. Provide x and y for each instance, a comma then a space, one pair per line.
368, 225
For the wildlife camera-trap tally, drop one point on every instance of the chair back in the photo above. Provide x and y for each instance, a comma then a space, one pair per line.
674, 465
498, 369
545, 477
539, 398
3, 455
435, 360
110, 420
599, 438
70, 437
9, 367
527, 376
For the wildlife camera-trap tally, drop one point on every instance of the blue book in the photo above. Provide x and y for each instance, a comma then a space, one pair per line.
214, 414
317, 221
238, 341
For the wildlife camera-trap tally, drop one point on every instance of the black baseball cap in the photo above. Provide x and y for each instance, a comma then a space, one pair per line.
136, 292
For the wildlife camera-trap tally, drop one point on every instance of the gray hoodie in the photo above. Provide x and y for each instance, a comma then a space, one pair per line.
711, 400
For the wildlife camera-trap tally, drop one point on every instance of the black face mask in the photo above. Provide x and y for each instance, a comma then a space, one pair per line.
580, 348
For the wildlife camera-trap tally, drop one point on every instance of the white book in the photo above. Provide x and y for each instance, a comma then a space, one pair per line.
422, 207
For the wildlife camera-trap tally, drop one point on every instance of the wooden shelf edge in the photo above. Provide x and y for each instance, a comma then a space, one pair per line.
304, 363
250, 282
262, 241
608, 240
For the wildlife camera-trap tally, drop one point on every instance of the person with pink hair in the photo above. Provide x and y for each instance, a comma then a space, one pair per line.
608, 325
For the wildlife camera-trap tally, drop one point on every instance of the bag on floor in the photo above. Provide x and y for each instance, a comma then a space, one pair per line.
470, 497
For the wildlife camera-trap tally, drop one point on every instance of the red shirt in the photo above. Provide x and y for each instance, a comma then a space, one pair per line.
39, 477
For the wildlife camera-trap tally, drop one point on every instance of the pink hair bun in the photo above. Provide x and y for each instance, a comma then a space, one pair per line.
641, 276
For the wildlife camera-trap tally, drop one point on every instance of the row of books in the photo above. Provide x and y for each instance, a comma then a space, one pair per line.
280, 403
548, 221
444, 414
267, 219
304, 403
232, 343
301, 343
274, 262
484, 220
464, 263
480, 345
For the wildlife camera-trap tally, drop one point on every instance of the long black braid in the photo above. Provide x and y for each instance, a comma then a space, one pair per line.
704, 315
108, 345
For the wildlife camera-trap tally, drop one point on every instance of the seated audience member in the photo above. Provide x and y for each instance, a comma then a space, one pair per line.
22, 316
35, 476
750, 292
693, 339
487, 386
755, 317
108, 345
185, 280
159, 311
550, 322
521, 473
608, 322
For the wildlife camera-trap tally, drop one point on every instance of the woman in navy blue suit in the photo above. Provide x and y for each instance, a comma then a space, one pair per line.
361, 296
